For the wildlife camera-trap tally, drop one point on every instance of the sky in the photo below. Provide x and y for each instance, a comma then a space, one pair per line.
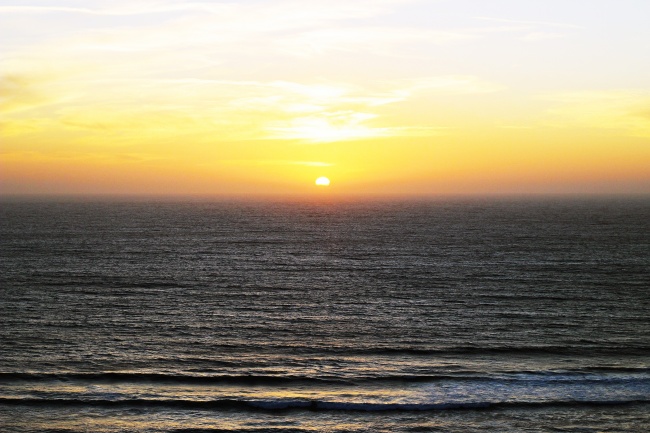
261, 97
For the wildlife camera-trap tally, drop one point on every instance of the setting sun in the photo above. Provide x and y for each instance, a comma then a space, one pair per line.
322, 181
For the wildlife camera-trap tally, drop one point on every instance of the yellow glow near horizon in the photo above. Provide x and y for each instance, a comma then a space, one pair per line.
322, 130
393, 97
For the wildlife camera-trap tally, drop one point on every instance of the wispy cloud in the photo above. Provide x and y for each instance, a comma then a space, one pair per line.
531, 23
22, 92
542, 36
280, 162
622, 111
535, 31
43, 10
289, 10
117, 8
246, 110
377, 40
197, 35
454, 84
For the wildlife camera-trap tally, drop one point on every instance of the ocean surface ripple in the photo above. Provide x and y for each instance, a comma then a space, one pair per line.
442, 315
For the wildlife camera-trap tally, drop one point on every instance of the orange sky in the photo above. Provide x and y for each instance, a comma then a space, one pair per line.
381, 96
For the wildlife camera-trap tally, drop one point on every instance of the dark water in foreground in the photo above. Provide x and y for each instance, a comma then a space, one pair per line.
454, 316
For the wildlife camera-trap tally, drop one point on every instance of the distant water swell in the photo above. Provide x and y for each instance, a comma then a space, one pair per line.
111, 377
400, 392
313, 405
639, 376
500, 350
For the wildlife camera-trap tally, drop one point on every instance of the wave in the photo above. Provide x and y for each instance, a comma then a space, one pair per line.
113, 377
598, 375
588, 375
591, 350
417, 351
311, 405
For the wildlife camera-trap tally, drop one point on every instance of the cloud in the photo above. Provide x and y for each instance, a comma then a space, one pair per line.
327, 127
42, 10
333, 112
262, 162
376, 40
454, 84
532, 31
531, 23
278, 12
19, 92
15, 92
248, 109
624, 111
12, 127
196, 35
116, 8
174, 73
643, 113
542, 36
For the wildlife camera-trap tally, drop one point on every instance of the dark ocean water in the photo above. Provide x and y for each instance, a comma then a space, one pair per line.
405, 316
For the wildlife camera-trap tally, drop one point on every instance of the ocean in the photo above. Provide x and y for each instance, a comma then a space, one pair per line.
443, 315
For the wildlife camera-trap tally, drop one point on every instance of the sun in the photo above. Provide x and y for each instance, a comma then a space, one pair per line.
322, 181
